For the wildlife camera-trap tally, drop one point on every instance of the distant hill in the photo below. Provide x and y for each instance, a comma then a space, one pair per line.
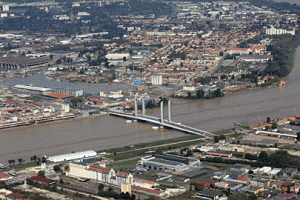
288, 1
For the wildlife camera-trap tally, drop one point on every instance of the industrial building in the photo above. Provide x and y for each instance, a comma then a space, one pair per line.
210, 194
156, 79
71, 92
195, 173
175, 163
98, 173
32, 88
22, 61
72, 156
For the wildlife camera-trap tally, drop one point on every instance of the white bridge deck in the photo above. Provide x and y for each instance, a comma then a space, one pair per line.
166, 123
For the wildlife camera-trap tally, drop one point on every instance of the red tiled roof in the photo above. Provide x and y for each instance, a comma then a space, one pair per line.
100, 169
143, 181
122, 174
10, 110
285, 195
57, 95
145, 189
3, 175
42, 179
68, 170
8, 102
15, 196
240, 49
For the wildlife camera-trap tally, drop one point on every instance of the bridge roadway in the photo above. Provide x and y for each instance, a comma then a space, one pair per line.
156, 120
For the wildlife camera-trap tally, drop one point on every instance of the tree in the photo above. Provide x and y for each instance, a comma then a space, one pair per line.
252, 197
200, 94
133, 197
181, 151
56, 168
217, 93
124, 59
263, 157
34, 157
20, 160
58, 61
298, 136
159, 151
189, 95
189, 153
100, 187
41, 174
238, 196
216, 139
44, 159
51, 56
61, 181
222, 137
267, 128
127, 195
66, 168
199, 186
274, 125
268, 120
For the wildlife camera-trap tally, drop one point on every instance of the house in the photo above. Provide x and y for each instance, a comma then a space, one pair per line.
285, 196
210, 194
4, 177
288, 172
287, 186
144, 183
42, 180
4, 192
223, 185
255, 190
147, 191
90, 171
13, 196
122, 177
207, 182
239, 167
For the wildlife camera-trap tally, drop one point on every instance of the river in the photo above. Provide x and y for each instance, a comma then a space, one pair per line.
107, 131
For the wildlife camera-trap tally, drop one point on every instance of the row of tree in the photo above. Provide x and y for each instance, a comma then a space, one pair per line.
111, 193
279, 159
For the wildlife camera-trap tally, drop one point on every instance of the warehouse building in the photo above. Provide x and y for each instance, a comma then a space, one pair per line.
195, 173
175, 163
72, 156
32, 88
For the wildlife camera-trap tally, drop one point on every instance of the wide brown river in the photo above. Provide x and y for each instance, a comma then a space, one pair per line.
107, 131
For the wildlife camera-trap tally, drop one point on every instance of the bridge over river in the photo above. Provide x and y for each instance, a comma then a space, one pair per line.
161, 122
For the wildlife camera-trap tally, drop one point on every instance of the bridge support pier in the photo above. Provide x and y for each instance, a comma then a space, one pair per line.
135, 106
162, 112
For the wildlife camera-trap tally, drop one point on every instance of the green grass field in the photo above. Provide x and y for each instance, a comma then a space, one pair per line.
220, 166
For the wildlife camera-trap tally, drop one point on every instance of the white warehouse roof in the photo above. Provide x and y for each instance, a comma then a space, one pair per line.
26, 87
72, 156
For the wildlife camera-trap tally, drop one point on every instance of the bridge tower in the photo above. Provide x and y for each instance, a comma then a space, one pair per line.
135, 106
169, 110
143, 105
162, 112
